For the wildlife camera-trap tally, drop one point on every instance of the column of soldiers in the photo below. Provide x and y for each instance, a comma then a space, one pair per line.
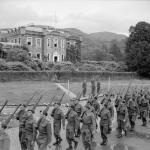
81, 121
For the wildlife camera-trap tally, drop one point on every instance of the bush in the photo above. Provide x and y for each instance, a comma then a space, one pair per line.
87, 67
17, 55
18, 66
4, 66
32, 64
40, 64
49, 65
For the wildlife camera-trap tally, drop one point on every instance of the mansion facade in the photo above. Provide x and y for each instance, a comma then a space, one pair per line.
44, 42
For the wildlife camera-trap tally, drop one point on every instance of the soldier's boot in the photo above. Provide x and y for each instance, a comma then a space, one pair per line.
125, 132
109, 130
57, 141
104, 142
119, 135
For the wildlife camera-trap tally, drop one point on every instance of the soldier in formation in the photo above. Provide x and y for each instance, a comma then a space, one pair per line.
128, 107
58, 121
84, 88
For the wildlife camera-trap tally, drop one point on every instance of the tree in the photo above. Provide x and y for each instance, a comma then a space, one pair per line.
138, 49
115, 51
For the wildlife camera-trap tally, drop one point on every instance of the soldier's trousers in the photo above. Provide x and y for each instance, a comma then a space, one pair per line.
144, 116
57, 128
104, 131
70, 136
132, 119
121, 126
22, 139
42, 147
87, 139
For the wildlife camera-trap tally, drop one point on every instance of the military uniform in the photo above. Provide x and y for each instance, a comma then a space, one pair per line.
104, 114
22, 116
84, 87
79, 110
144, 110
71, 127
4, 140
122, 114
30, 132
132, 111
88, 128
45, 133
59, 119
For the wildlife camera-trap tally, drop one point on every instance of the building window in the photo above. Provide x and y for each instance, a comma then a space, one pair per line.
15, 40
38, 42
48, 57
55, 42
62, 43
19, 40
48, 42
38, 55
29, 41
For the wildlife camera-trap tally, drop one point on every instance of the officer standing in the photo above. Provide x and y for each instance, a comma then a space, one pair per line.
98, 87
30, 130
84, 87
71, 128
93, 87
22, 116
44, 132
104, 114
88, 127
122, 115
59, 119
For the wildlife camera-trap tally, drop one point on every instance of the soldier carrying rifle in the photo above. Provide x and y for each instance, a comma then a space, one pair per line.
59, 119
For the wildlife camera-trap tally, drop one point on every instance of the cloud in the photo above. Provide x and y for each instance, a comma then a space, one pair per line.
89, 16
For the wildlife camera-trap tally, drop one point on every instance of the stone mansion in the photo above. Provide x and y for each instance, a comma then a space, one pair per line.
44, 42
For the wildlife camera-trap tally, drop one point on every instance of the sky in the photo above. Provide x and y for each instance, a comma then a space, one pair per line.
87, 15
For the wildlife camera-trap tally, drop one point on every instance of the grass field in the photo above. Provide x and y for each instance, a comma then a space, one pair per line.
20, 92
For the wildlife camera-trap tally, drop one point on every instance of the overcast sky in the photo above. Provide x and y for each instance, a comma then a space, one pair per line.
86, 15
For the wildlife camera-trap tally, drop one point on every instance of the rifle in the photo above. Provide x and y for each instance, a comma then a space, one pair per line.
3, 106
79, 96
11, 116
47, 107
30, 99
35, 105
127, 89
62, 98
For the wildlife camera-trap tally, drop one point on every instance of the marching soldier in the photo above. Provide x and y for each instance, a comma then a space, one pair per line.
59, 119
132, 111
110, 107
84, 87
30, 130
79, 110
104, 114
72, 127
122, 115
22, 116
93, 88
44, 130
144, 110
4, 137
88, 127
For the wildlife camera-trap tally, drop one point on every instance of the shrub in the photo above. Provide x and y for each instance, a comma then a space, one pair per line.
32, 64
18, 66
87, 67
4, 66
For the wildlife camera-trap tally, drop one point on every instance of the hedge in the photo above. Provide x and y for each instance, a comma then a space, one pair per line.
63, 76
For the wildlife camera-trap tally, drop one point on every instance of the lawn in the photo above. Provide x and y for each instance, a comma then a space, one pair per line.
20, 92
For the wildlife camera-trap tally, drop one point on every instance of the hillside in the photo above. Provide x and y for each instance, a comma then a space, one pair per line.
99, 41
107, 36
